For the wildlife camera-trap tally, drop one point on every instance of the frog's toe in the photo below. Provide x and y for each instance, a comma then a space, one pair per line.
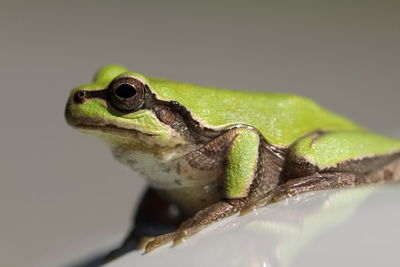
144, 241
178, 240
184, 234
158, 241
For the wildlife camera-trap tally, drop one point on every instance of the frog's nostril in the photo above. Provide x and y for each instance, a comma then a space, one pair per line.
79, 96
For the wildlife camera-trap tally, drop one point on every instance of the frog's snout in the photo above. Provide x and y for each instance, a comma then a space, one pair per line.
72, 108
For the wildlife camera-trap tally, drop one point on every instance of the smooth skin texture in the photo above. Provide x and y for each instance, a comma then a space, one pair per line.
214, 152
241, 163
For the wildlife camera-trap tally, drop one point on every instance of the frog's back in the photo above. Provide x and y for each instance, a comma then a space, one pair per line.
281, 118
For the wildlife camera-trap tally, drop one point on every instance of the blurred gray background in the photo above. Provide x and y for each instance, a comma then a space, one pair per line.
62, 196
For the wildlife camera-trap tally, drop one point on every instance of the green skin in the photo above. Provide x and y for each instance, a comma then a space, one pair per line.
249, 148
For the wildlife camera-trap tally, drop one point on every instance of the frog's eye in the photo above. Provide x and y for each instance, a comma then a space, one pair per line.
127, 94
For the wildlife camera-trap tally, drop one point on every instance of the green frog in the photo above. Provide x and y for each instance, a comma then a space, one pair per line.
210, 153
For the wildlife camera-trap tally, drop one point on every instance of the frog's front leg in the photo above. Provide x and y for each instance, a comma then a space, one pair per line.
200, 220
241, 155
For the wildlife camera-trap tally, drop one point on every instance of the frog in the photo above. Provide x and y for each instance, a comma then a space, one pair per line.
210, 153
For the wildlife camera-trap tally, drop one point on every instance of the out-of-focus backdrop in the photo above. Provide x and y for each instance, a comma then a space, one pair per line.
62, 196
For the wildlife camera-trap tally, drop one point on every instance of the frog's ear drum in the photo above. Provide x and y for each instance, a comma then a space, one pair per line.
126, 94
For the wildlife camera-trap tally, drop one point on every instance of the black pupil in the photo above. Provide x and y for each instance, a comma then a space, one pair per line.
125, 91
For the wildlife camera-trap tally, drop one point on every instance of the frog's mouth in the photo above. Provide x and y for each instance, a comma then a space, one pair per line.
112, 129
98, 125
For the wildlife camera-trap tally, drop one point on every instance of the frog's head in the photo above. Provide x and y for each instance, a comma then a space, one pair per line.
117, 107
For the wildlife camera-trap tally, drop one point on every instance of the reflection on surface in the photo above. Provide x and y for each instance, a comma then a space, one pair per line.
304, 219
276, 235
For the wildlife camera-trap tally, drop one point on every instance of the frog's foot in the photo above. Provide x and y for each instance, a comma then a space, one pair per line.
196, 223
302, 185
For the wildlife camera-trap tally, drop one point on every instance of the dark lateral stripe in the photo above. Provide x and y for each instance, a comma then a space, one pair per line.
102, 94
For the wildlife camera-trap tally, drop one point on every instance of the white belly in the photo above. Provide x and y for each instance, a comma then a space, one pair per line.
169, 172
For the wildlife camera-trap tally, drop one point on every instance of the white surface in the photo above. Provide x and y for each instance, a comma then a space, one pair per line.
357, 227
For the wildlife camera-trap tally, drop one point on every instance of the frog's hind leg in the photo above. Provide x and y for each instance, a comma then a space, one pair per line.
328, 180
